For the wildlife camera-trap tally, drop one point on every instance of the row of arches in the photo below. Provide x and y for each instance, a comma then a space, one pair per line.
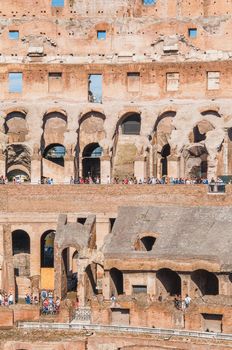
87, 148
169, 281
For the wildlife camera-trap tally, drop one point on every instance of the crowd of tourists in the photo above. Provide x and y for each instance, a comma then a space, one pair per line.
165, 180
6, 299
50, 305
47, 302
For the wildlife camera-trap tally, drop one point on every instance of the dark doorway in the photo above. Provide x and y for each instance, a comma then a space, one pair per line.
20, 242
117, 281
47, 249
170, 280
91, 165
164, 161
207, 282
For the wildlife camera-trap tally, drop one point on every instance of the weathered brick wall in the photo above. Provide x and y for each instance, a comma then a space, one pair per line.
102, 199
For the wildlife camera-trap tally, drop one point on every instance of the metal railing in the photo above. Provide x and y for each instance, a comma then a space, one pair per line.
125, 329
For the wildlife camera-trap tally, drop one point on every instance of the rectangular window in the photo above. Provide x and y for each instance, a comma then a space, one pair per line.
213, 80
15, 82
133, 82
192, 33
101, 35
57, 3
149, 2
139, 289
14, 34
95, 88
55, 82
172, 81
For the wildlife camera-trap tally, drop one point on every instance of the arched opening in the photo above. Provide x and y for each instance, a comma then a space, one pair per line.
148, 242
131, 124
91, 165
47, 249
15, 127
69, 270
145, 243
206, 282
54, 127
170, 281
21, 262
200, 131
20, 242
116, 277
166, 150
55, 153
18, 162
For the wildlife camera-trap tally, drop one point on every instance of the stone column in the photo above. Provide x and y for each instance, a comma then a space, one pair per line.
2, 163
106, 286
173, 166
34, 254
102, 230
185, 285
36, 165
225, 153
105, 169
140, 168
224, 284
69, 165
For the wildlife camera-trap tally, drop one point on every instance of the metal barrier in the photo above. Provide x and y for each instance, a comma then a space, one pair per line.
217, 187
125, 329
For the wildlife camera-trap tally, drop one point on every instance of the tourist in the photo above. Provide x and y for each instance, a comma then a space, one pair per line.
27, 299
11, 299
187, 300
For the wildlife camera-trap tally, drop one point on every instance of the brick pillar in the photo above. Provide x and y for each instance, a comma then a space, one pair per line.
69, 169
35, 254
8, 267
105, 169
106, 286
2, 164
36, 165
140, 168
185, 285
224, 284
173, 166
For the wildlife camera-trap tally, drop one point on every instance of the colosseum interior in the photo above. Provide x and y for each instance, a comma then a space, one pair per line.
115, 173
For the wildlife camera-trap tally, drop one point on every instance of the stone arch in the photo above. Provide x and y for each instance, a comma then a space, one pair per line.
21, 262
211, 112
15, 126
206, 282
20, 242
18, 161
54, 127
169, 281
129, 123
47, 249
91, 165
160, 138
53, 162
116, 282
145, 241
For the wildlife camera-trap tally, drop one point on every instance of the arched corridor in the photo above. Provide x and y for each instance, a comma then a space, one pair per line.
91, 164
206, 282
47, 249
169, 281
